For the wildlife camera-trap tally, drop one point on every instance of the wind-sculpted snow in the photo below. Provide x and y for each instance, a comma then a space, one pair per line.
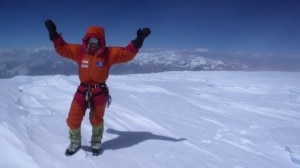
170, 119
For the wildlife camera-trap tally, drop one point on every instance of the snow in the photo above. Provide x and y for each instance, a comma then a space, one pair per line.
170, 119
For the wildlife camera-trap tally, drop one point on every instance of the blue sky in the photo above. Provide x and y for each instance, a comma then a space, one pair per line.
259, 26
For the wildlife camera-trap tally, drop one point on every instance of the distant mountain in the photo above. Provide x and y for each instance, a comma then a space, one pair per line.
17, 62
43, 61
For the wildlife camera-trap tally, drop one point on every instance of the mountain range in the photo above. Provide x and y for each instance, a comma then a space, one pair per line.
45, 61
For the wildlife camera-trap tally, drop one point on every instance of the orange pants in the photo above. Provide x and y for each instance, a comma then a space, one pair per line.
79, 107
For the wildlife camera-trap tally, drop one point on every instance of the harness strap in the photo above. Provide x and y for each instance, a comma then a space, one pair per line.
88, 98
88, 94
97, 85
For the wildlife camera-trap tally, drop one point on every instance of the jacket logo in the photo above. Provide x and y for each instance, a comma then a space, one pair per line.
84, 64
99, 64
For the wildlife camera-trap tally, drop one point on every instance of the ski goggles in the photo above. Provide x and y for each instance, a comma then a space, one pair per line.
93, 40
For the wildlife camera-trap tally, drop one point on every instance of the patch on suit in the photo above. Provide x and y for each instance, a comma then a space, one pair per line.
99, 64
84, 64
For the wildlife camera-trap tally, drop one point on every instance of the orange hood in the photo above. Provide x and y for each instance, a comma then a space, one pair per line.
97, 32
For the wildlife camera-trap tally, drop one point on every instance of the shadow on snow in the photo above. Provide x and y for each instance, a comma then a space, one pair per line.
127, 139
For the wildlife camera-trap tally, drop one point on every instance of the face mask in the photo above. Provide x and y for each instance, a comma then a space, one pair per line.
93, 45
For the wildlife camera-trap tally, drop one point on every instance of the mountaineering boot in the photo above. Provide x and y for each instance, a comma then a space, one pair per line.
75, 141
97, 133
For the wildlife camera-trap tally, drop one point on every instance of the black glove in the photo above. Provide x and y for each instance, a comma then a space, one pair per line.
51, 29
141, 35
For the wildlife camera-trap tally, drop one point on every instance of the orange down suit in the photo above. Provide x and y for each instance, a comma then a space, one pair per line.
93, 69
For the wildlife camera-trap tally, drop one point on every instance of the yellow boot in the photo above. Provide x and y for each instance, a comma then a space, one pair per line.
75, 141
97, 133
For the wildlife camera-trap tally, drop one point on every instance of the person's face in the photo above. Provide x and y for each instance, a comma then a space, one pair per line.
93, 45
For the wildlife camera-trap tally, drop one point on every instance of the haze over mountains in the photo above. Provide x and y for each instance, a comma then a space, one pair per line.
45, 61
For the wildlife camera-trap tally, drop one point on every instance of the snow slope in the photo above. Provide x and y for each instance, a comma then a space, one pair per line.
170, 119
